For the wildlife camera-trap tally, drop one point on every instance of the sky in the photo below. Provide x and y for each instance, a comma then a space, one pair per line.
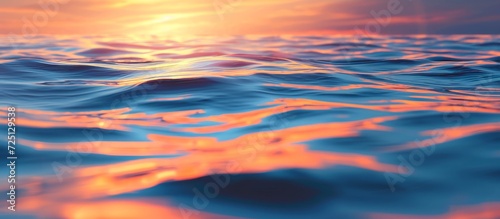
249, 17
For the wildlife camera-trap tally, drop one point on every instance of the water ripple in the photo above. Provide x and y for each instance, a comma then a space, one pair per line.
295, 125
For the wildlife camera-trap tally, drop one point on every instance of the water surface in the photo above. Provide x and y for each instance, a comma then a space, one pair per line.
255, 127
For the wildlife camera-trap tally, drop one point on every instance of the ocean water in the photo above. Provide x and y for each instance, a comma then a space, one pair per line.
253, 127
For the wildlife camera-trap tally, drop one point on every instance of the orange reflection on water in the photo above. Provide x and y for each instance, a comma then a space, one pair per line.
250, 153
453, 105
136, 175
128, 209
163, 145
396, 87
449, 134
117, 119
46, 119
45, 206
120, 178
130, 148
238, 120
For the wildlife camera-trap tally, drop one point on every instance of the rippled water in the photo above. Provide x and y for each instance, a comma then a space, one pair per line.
262, 127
